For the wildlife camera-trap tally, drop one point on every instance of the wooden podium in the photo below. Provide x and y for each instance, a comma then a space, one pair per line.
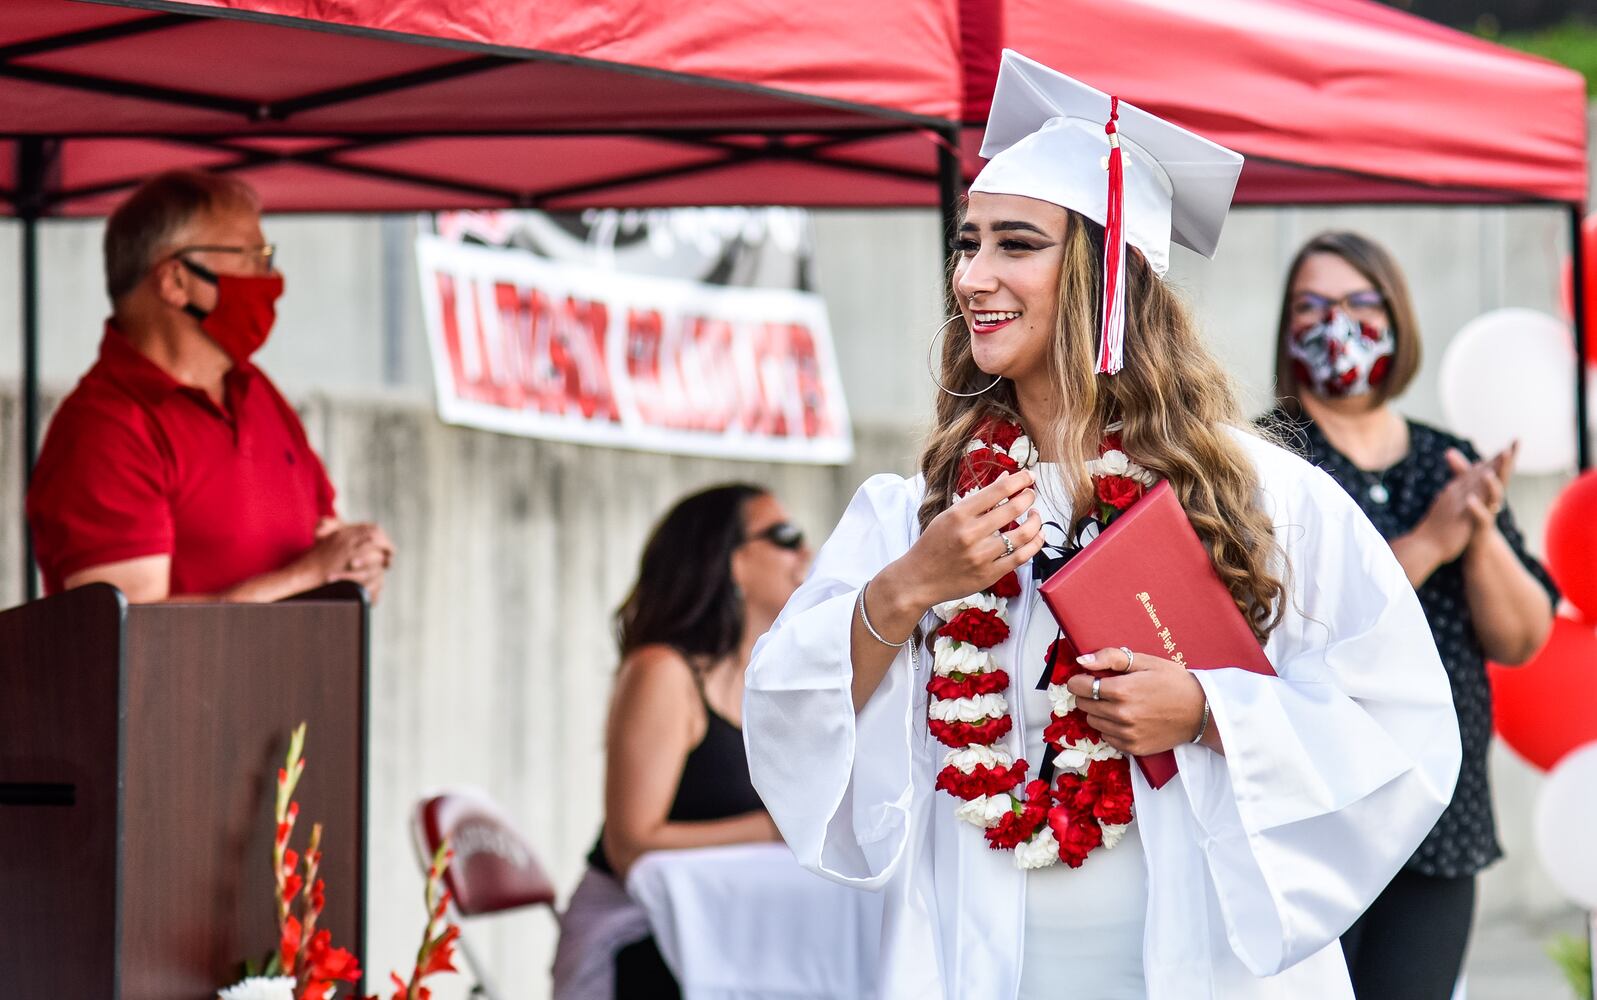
139, 747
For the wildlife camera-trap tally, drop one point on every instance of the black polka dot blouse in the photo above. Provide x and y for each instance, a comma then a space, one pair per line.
1464, 840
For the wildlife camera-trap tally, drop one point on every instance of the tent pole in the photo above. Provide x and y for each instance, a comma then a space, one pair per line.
950, 183
1577, 304
33, 163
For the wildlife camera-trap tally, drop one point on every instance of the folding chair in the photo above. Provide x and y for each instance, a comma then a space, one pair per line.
494, 868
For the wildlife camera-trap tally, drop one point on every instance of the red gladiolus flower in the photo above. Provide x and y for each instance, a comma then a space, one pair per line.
443, 954
317, 991
291, 887
329, 963
288, 947
979, 628
318, 896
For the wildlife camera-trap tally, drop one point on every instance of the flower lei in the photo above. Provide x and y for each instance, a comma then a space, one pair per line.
1090, 805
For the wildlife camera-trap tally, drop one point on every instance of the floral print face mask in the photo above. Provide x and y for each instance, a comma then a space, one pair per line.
1341, 356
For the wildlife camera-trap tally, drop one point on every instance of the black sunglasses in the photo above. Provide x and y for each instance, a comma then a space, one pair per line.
783, 534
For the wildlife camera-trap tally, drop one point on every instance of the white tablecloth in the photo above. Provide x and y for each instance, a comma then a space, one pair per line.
747, 923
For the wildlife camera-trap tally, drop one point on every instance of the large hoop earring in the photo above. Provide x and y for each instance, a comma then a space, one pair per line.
931, 352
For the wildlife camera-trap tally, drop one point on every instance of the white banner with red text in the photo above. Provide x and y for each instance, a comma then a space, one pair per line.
523, 345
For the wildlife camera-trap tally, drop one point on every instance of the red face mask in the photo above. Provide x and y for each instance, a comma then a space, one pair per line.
245, 309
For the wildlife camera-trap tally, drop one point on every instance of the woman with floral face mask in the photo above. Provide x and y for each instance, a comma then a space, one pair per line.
1347, 346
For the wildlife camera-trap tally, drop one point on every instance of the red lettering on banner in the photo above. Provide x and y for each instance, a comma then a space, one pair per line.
577, 352
646, 364
515, 343
465, 347
689, 368
811, 383
709, 375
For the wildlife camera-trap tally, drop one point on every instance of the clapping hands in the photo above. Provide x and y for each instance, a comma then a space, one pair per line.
1470, 502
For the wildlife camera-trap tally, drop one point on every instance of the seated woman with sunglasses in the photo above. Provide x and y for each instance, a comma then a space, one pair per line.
714, 575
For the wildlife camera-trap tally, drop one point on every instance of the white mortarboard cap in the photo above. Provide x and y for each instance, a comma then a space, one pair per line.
1046, 139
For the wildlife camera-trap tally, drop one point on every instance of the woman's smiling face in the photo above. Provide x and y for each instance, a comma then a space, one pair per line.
1006, 277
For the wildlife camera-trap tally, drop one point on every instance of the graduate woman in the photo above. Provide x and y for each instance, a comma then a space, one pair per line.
901, 721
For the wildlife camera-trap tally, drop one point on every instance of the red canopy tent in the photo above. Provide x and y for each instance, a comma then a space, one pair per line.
355, 105
1331, 101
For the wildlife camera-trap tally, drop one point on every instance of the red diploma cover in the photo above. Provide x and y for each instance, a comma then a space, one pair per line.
1147, 584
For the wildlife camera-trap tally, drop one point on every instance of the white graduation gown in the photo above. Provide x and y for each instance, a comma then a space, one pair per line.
1257, 860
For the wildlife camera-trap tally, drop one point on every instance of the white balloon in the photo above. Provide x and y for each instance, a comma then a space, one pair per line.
1510, 375
1566, 815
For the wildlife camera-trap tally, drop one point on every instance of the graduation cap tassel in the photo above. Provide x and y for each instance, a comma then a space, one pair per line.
1111, 347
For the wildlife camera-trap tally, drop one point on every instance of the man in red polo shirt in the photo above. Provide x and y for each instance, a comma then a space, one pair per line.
175, 469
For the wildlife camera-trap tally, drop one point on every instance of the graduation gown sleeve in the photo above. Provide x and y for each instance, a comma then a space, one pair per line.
840, 788
1336, 769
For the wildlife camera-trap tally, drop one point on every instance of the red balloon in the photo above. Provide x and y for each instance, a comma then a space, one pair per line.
1548, 707
1572, 543
1588, 243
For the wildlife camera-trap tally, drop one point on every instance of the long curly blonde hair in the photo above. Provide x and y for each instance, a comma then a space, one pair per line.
1177, 405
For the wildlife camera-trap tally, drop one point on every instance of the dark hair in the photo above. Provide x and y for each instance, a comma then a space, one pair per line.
1371, 260
684, 596
147, 223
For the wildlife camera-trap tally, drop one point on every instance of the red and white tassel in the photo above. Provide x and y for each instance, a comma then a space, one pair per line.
1111, 346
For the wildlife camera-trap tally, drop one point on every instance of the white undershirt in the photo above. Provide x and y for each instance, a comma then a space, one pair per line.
1084, 926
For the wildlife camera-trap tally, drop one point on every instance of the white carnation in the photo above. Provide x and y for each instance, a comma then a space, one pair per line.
1070, 759
1114, 463
974, 445
1146, 477
982, 706
1023, 452
1112, 832
1097, 749
985, 810
981, 602
1060, 700
261, 988
950, 656
1038, 852
967, 758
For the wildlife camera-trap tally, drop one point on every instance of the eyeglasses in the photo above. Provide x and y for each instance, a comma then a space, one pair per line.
783, 534
261, 257
1365, 304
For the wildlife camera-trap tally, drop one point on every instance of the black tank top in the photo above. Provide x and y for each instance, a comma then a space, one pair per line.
715, 779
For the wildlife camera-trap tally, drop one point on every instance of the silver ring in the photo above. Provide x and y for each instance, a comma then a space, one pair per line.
1095, 682
1009, 546
1130, 657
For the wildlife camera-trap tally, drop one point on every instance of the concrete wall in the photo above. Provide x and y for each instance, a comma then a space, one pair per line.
492, 652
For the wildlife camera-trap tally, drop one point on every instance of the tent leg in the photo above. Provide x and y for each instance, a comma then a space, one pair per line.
950, 183
1577, 303
35, 157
